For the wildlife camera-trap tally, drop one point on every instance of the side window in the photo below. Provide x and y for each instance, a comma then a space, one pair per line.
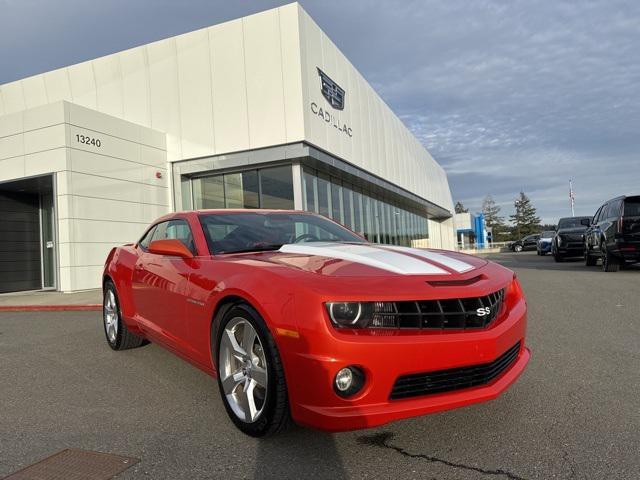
603, 213
160, 232
179, 230
595, 217
175, 230
614, 209
146, 240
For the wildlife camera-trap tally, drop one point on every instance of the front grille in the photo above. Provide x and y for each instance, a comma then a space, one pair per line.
456, 313
572, 237
442, 381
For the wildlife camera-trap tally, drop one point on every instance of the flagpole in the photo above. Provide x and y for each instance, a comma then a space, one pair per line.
571, 198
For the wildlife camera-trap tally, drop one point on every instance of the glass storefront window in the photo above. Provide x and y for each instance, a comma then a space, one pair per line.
357, 213
233, 192
347, 204
377, 220
208, 192
336, 201
251, 189
276, 187
310, 192
324, 196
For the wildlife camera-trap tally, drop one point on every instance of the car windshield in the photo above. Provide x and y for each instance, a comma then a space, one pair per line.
548, 234
571, 222
255, 231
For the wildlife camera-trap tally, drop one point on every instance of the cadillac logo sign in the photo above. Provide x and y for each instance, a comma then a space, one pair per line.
331, 91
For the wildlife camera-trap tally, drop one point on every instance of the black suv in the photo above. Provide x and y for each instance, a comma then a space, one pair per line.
530, 242
569, 238
614, 234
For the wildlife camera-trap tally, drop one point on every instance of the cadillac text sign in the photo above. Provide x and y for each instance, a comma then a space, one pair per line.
334, 94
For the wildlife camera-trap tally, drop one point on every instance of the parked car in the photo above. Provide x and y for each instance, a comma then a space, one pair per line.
301, 319
614, 234
569, 238
544, 242
530, 242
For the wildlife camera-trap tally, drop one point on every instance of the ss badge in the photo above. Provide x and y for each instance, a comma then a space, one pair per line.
483, 311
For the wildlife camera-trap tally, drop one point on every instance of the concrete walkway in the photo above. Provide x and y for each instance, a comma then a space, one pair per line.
48, 300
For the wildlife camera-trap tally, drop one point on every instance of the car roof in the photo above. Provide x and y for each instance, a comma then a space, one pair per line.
225, 211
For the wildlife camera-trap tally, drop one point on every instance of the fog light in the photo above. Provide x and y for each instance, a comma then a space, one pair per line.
344, 379
349, 381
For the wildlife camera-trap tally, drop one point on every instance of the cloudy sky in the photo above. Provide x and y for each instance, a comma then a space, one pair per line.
507, 96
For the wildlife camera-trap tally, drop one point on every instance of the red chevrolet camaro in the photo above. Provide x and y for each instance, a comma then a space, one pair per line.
301, 319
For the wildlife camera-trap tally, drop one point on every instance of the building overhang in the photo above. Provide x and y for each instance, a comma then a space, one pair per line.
307, 155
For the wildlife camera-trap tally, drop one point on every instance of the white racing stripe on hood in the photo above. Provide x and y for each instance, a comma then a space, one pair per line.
367, 255
449, 262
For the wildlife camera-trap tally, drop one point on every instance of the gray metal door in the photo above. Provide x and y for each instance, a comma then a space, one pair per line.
20, 264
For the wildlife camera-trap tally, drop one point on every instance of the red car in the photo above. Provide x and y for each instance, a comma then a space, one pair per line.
301, 319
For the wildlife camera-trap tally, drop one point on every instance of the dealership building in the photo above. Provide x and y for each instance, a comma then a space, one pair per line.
259, 112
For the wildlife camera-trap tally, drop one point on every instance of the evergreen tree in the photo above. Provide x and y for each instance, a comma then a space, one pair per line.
492, 218
525, 221
459, 208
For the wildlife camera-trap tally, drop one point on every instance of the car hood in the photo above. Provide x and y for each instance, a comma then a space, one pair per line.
353, 259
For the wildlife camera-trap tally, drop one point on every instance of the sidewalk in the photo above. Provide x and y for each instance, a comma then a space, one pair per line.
50, 301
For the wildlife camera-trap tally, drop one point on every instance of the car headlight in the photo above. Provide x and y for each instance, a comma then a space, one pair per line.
345, 314
559, 240
363, 314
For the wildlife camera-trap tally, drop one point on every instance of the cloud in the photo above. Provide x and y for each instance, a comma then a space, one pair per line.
505, 95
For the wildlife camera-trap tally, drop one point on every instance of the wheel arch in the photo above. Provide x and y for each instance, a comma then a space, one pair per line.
223, 305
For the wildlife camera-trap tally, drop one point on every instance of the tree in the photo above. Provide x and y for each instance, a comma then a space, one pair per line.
492, 218
460, 208
525, 221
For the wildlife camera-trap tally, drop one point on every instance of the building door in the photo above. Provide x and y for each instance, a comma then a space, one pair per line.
27, 234
20, 267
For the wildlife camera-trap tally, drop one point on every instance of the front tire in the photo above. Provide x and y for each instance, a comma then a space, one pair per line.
589, 260
115, 330
558, 257
517, 248
250, 374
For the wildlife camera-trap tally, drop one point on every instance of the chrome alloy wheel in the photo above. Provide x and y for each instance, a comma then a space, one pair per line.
243, 369
110, 313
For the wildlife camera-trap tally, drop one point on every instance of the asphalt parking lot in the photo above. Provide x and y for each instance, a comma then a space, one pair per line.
575, 413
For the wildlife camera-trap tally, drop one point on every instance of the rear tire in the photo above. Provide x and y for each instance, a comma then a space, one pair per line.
270, 402
609, 262
115, 330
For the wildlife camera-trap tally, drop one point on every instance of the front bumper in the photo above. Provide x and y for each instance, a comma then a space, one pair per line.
544, 247
389, 355
571, 249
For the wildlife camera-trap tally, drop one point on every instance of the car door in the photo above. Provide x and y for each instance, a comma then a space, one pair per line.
160, 284
530, 242
596, 228
609, 225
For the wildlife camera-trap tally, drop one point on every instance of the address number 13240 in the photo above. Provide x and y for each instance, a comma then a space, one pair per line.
89, 140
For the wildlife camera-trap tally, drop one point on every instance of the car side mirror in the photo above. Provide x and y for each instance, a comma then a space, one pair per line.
586, 222
171, 248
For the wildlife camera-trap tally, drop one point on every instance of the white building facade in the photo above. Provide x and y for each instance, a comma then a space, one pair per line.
259, 112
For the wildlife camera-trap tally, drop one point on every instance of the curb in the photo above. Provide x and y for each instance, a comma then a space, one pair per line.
51, 308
